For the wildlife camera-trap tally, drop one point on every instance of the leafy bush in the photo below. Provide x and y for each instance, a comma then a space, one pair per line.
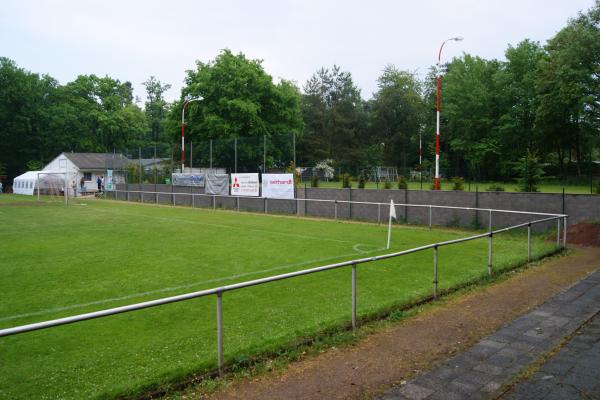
346, 183
314, 181
387, 184
458, 183
530, 172
495, 187
402, 184
361, 182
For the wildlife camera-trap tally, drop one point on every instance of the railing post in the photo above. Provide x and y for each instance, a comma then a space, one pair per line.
237, 201
155, 197
378, 213
490, 221
335, 209
529, 242
558, 233
565, 233
490, 254
220, 332
193, 200
354, 297
265, 205
141, 197
430, 218
173, 199
213, 201
127, 194
435, 271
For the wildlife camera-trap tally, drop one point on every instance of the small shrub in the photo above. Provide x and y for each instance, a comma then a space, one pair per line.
402, 184
314, 181
458, 183
362, 181
495, 187
346, 183
387, 184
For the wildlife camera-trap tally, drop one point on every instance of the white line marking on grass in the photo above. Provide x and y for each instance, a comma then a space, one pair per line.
186, 286
231, 227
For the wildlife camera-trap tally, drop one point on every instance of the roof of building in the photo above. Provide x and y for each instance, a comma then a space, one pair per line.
96, 161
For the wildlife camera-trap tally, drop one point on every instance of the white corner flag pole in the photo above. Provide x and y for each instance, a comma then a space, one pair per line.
392, 215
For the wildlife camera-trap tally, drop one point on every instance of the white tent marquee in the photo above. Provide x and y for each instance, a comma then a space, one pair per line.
50, 182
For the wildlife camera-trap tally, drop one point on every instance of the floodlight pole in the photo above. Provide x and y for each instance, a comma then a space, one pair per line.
437, 116
185, 104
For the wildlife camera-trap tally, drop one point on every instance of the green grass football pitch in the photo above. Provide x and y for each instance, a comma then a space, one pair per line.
57, 261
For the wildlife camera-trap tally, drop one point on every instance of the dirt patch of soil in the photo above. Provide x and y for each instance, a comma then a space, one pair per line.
584, 234
418, 343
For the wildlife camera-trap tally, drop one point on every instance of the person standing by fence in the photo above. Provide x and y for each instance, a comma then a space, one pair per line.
99, 182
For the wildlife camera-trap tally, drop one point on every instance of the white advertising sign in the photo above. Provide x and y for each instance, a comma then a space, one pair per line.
244, 185
278, 186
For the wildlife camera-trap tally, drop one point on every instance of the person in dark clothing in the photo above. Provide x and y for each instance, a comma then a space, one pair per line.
99, 182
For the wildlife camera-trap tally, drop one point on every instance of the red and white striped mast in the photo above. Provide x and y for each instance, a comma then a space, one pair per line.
437, 115
185, 104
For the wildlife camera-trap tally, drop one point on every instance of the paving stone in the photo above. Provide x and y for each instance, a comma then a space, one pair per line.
491, 387
463, 388
414, 392
489, 369
491, 343
480, 372
475, 378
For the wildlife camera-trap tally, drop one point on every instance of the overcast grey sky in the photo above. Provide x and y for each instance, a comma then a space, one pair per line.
131, 40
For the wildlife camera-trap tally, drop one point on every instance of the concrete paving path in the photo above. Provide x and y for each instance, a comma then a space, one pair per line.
485, 370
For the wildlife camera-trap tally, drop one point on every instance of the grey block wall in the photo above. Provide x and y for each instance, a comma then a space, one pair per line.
578, 207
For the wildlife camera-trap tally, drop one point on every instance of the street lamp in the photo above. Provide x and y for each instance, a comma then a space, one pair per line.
185, 104
437, 121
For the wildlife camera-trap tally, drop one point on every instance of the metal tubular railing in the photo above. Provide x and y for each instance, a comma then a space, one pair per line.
219, 291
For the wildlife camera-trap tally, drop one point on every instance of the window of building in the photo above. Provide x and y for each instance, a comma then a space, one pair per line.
87, 176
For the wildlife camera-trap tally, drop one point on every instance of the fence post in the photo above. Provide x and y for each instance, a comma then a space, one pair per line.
127, 192
490, 254
557, 233
430, 219
193, 200
335, 209
220, 332
354, 297
490, 221
565, 233
141, 196
529, 242
266, 205
435, 271
213, 201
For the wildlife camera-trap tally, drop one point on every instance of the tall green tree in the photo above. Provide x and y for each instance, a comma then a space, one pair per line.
335, 119
156, 107
517, 82
239, 100
396, 115
471, 108
568, 89
25, 101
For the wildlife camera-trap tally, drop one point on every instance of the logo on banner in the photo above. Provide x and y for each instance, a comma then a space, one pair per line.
245, 185
278, 186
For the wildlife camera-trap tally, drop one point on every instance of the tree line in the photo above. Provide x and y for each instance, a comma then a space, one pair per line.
542, 101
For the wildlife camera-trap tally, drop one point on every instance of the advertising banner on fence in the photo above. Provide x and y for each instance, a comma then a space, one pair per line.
244, 185
278, 186
217, 184
108, 183
188, 180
